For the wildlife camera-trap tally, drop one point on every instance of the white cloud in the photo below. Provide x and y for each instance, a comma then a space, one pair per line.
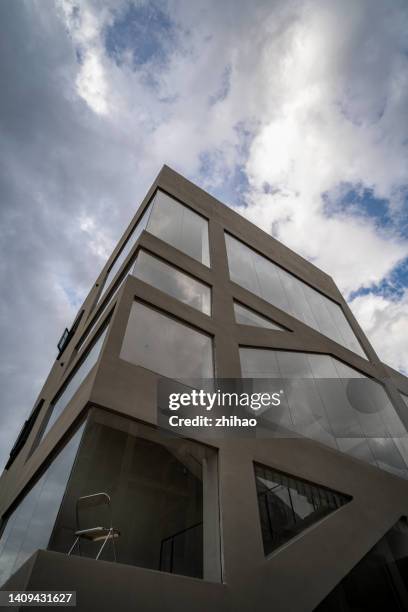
327, 129
91, 83
385, 321
84, 26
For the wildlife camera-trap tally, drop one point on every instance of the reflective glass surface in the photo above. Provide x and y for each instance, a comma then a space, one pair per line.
288, 505
75, 381
30, 526
169, 279
104, 308
162, 344
379, 581
157, 501
331, 402
120, 259
179, 226
264, 278
247, 316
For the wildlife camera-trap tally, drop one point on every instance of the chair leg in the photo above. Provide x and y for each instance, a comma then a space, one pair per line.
103, 546
73, 546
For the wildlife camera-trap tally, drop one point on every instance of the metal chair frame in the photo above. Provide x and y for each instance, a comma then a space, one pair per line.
94, 534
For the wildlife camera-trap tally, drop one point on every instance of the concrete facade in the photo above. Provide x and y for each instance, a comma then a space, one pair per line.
300, 574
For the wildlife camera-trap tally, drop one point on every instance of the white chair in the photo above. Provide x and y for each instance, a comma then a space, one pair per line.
98, 533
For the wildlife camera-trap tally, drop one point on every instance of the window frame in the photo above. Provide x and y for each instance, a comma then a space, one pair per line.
191, 209
107, 289
284, 328
336, 302
315, 485
178, 268
24, 434
75, 366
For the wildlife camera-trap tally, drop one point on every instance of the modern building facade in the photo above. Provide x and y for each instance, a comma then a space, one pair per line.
311, 520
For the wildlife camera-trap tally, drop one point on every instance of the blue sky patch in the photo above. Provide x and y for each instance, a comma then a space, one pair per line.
391, 287
74, 299
145, 30
361, 201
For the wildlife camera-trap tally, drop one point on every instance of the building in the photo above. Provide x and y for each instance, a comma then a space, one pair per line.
292, 523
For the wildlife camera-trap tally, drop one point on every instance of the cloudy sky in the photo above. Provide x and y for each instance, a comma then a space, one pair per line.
295, 112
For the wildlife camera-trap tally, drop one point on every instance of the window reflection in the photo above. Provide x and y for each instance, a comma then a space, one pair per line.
166, 517
169, 279
75, 381
126, 249
247, 316
156, 488
160, 343
288, 506
179, 226
30, 526
329, 401
264, 278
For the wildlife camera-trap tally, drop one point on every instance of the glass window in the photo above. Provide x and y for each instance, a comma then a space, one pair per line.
166, 517
247, 316
179, 226
98, 319
30, 525
282, 289
158, 501
333, 403
162, 344
179, 285
101, 313
379, 581
259, 363
126, 249
24, 434
288, 505
75, 381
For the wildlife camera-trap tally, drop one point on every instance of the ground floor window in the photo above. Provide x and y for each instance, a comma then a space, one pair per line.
158, 493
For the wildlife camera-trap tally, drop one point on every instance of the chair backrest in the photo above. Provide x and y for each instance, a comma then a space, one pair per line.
95, 501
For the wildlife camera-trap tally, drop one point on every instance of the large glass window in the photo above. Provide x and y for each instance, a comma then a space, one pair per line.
179, 226
379, 581
264, 278
165, 515
75, 381
288, 505
163, 501
169, 279
29, 527
160, 343
126, 249
331, 402
172, 222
